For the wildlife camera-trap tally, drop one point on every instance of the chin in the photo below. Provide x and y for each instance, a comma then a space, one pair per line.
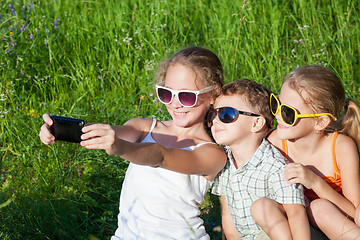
182, 122
282, 135
219, 140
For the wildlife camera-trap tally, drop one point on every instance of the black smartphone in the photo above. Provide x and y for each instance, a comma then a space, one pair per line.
67, 129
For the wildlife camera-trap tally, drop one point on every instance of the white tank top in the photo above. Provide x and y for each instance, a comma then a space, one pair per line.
158, 204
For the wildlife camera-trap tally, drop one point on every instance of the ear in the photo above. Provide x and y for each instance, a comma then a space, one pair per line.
258, 124
322, 122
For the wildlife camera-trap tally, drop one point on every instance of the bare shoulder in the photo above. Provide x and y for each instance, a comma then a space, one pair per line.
213, 156
211, 145
141, 124
134, 130
274, 140
345, 144
346, 151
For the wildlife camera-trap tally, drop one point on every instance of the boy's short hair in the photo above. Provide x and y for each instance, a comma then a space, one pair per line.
257, 96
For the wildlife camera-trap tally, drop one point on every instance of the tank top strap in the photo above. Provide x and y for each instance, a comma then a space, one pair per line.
336, 170
200, 144
153, 125
285, 149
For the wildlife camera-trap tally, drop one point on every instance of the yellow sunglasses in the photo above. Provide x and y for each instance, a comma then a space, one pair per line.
289, 115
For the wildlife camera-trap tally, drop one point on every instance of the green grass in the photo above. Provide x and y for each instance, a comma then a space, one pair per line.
98, 62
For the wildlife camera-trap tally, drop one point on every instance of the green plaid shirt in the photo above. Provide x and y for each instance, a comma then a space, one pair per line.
261, 176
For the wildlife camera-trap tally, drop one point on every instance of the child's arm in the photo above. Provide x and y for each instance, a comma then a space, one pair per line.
347, 157
348, 163
297, 173
298, 221
227, 222
131, 131
206, 160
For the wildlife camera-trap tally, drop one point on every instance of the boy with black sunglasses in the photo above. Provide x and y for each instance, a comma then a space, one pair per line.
252, 179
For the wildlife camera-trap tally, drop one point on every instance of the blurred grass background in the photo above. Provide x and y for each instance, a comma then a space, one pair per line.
96, 59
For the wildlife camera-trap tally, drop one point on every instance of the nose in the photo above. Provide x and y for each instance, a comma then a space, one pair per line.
216, 119
278, 116
175, 102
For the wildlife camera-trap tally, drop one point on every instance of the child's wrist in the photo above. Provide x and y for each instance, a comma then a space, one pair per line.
317, 183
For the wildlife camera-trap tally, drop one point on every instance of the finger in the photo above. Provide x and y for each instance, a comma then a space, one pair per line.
47, 119
44, 140
293, 181
291, 175
94, 126
293, 168
45, 135
96, 134
292, 165
294, 173
47, 141
94, 143
94, 146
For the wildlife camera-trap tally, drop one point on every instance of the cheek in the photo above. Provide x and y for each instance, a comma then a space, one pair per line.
305, 123
202, 109
213, 132
203, 103
285, 132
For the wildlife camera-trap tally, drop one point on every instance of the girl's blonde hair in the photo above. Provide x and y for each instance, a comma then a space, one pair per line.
203, 62
326, 94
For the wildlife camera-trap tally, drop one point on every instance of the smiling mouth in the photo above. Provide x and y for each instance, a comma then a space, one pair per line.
179, 114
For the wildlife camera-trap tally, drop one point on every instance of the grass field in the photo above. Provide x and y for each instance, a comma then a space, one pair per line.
95, 60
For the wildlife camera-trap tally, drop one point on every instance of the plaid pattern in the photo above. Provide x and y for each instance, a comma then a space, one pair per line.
261, 176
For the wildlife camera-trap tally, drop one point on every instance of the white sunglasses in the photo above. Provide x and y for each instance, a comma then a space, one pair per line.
186, 98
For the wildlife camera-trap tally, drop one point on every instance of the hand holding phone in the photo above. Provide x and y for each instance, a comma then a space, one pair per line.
67, 129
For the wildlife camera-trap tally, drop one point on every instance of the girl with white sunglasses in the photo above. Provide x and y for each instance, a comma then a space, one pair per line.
318, 131
172, 163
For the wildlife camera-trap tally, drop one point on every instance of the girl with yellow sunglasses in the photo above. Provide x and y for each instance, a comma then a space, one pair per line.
318, 131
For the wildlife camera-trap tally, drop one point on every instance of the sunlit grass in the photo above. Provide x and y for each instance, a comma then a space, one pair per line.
96, 59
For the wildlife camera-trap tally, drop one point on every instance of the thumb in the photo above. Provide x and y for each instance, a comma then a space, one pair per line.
47, 119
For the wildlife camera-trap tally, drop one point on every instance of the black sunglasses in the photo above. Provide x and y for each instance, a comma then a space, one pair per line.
226, 115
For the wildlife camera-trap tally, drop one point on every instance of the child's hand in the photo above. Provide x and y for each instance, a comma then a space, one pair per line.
297, 173
45, 136
100, 136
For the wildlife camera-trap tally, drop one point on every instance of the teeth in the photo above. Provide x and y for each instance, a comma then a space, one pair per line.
179, 114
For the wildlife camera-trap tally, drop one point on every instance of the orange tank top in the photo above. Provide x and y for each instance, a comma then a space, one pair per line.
334, 182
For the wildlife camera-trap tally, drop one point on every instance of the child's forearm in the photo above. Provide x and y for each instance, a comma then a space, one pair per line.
227, 222
206, 160
325, 191
150, 154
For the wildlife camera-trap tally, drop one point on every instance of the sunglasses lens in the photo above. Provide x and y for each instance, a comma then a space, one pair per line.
187, 98
227, 114
273, 104
164, 95
288, 115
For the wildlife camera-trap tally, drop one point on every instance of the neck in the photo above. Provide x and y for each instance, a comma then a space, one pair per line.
243, 151
184, 132
307, 144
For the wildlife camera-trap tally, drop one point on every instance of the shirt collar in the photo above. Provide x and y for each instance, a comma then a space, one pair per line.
256, 158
